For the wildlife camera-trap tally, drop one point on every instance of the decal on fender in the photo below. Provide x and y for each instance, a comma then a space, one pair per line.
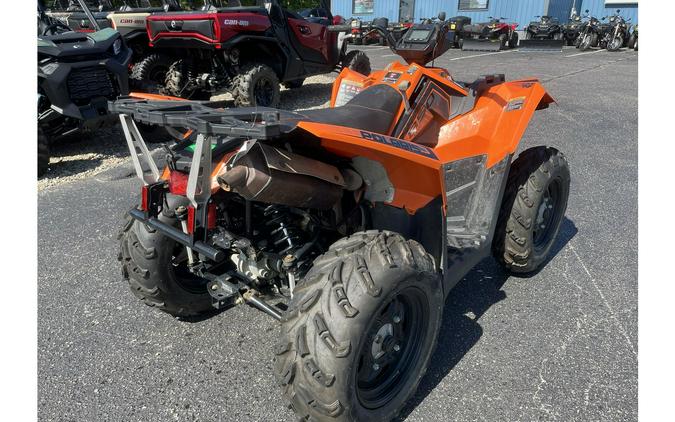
400, 144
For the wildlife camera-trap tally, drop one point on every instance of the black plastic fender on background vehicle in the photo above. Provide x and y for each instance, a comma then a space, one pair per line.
360, 329
532, 209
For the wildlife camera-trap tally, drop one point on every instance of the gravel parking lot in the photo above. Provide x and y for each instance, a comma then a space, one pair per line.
561, 345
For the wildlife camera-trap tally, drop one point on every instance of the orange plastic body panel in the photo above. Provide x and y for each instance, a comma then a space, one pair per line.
493, 127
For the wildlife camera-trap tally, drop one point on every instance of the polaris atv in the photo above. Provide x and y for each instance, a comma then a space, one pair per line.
78, 74
349, 225
73, 15
494, 35
546, 34
572, 29
248, 52
150, 65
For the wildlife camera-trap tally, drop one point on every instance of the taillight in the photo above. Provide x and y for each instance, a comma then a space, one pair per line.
145, 198
178, 182
337, 20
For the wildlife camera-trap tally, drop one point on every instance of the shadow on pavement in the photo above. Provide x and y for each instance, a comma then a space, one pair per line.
466, 303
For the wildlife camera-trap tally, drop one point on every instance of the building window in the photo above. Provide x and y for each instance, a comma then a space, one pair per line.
473, 5
363, 7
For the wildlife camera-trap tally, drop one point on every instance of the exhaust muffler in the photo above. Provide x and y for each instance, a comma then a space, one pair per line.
271, 175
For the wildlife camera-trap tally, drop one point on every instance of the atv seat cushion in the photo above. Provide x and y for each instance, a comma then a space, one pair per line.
373, 109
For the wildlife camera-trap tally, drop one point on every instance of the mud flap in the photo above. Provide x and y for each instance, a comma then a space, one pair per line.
472, 44
547, 46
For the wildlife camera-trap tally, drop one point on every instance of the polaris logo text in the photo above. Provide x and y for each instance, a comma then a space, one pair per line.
235, 22
399, 143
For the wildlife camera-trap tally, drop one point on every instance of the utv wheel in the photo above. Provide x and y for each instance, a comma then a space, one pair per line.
42, 152
360, 329
357, 61
150, 72
156, 268
176, 83
256, 85
294, 84
532, 211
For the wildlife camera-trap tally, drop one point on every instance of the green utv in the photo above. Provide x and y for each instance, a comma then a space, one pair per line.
78, 73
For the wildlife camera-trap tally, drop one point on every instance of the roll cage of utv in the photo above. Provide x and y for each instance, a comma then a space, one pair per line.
71, 12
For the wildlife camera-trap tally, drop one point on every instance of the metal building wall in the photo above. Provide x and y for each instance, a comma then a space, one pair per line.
520, 11
598, 9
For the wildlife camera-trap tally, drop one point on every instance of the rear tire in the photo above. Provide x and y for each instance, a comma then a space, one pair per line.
631, 41
150, 72
146, 257
256, 85
367, 315
503, 41
357, 61
42, 152
532, 210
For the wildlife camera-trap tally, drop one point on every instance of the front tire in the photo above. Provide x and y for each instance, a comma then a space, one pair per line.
360, 329
256, 85
615, 43
503, 41
513, 41
42, 152
532, 210
150, 72
154, 266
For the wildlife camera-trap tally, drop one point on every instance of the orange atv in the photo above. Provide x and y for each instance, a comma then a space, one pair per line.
349, 225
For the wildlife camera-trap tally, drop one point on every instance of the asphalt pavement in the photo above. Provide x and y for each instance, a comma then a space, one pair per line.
560, 345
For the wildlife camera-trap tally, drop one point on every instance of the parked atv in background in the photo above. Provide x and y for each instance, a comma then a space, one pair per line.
150, 65
248, 51
571, 30
633, 40
78, 73
456, 26
616, 35
361, 33
494, 35
360, 218
546, 34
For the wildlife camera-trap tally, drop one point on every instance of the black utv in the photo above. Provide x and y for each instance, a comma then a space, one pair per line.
70, 12
77, 74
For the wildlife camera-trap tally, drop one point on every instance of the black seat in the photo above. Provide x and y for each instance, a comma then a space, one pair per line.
373, 109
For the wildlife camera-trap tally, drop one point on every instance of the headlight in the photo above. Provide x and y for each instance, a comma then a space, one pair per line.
117, 46
611, 19
356, 24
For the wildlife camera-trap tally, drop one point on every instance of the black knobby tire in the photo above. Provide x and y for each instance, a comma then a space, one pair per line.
294, 84
503, 41
42, 152
357, 61
147, 264
150, 72
631, 41
513, 41
176, 83
329, 335
636, 44
256, 85
532, 210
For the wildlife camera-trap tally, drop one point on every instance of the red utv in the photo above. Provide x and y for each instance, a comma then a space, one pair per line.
248, 51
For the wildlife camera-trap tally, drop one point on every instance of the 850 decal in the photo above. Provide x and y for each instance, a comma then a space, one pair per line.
399, 143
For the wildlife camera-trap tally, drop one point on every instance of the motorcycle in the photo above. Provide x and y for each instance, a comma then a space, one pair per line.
617, 34
590, 33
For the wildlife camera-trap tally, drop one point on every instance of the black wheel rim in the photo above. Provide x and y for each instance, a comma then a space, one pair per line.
264, 92
187, 280
158, 74
549, 215
393, 348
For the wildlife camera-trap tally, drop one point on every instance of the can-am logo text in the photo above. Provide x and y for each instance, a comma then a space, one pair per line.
235, 22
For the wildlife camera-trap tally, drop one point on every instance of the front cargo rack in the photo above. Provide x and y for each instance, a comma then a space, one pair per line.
203, 117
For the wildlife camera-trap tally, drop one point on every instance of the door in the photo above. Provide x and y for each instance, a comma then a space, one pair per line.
406, 11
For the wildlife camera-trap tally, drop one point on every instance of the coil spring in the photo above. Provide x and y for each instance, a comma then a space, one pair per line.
285, 236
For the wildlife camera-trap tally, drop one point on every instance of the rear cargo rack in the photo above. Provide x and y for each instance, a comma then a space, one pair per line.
202, 117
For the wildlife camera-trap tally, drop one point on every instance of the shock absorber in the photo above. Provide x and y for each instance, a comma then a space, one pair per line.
284, 235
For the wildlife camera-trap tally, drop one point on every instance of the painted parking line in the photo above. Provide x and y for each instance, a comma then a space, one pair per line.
479, 55
585, 52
